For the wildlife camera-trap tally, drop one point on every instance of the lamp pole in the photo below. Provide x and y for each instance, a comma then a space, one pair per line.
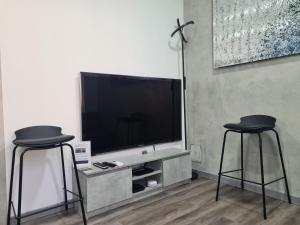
183, 42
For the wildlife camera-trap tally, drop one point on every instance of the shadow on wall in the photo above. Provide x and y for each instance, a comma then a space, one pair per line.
256, 65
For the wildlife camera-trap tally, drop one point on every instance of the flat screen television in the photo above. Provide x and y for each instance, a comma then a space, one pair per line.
121, 112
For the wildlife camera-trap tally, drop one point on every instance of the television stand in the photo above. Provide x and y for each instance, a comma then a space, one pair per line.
108, 189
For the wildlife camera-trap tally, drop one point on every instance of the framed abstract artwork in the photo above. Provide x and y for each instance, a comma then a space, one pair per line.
252, 30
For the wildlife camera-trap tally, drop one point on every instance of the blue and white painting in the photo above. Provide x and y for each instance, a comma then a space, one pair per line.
251, 30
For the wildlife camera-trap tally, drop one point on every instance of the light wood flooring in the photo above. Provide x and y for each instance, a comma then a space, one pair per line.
191, 204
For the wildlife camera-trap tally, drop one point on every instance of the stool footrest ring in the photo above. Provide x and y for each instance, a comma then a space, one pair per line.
71, 192
47, 209
271, 182
231, 171
78, 199
13, 207
249, 181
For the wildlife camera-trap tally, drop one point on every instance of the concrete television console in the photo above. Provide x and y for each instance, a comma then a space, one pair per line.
104, 190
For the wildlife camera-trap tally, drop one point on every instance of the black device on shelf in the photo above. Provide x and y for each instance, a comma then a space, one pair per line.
141, 171
120, 112
137, 188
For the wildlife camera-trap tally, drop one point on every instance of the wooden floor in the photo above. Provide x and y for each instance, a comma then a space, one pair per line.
192, 204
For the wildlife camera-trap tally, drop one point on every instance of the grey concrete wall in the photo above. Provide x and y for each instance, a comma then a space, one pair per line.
216, 97
2, 161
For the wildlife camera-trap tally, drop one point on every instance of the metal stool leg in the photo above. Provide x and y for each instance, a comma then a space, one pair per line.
283, 167
11, 185
242, 161
20, 187
221, 164
262, 176
78, 185
64, 177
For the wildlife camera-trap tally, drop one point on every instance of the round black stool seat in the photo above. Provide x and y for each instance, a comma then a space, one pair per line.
40, 136
253, 124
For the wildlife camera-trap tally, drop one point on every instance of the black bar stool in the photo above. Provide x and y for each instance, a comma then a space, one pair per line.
41, 138
255, 124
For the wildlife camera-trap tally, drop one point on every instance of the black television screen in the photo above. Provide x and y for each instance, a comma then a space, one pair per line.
120, 112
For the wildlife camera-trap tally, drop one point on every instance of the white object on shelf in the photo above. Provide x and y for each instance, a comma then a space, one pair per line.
151, 183
118, 163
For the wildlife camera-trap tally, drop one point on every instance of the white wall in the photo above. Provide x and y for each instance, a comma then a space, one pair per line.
3, 201
45, 45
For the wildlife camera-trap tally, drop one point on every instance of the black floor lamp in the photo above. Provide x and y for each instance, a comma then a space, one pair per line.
183, 42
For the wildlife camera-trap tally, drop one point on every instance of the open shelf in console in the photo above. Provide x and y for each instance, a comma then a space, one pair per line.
143, 182
155, 167
155, 175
